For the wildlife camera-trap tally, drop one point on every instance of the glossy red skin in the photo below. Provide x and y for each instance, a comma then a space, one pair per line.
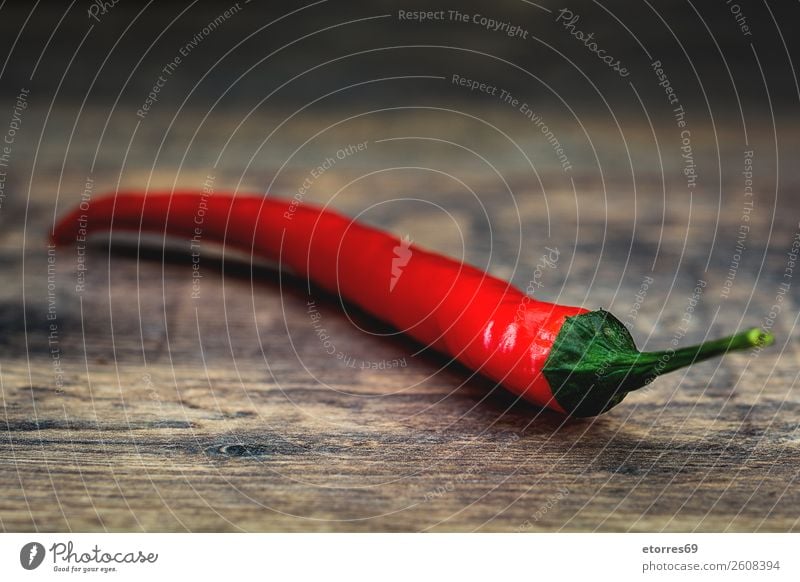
484, 322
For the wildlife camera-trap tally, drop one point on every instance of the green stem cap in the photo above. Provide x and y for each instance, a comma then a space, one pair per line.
594, 362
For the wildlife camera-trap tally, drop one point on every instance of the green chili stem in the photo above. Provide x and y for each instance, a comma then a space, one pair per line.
594, 361
665, 361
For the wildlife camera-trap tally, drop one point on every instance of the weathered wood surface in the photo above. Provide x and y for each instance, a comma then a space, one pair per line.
226, 413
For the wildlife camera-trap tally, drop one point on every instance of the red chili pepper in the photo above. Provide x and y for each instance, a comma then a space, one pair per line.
569, 359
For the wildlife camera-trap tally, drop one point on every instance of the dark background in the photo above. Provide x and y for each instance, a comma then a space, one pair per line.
700, 43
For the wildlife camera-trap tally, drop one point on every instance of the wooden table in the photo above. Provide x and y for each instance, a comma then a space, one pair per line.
224, 412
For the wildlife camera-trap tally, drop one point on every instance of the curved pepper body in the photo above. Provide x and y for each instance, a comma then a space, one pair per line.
484, 322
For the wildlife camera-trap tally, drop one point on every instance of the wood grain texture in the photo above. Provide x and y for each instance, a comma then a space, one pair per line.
225, 413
